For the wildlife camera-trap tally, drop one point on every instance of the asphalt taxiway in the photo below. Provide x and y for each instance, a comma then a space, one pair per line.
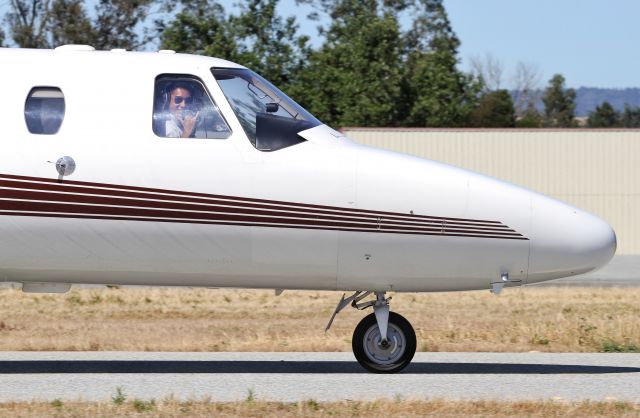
96, 376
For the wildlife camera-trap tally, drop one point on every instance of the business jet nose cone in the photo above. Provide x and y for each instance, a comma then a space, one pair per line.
593, 239
567, 241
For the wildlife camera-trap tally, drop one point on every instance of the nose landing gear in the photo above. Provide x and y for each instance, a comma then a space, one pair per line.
384, 356
383, 342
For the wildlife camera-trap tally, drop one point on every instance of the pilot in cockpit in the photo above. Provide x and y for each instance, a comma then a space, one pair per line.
183, 113
184, 109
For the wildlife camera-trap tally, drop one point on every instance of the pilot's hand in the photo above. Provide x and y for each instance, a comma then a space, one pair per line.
189, 124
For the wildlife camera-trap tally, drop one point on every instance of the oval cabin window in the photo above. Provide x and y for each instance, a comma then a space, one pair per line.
44, 110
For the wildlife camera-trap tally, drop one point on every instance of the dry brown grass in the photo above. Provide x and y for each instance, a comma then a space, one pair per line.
161, 319
310, 408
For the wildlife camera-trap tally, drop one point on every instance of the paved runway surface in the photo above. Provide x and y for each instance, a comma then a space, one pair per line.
319, 376
622, 270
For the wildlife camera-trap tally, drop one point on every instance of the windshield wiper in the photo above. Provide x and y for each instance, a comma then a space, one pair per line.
252, 88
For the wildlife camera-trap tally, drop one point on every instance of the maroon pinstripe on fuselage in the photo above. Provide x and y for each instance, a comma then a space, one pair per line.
34, 196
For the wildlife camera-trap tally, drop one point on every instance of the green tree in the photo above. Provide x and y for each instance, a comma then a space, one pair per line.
69, 24
530, 118
28, 22
630, 117
1, 38
436, 92
605, 116
50, 23
371, 72
256, 37
559, 103
202, 28
355, 77
495, 110
117, 22
270, 44
367, 71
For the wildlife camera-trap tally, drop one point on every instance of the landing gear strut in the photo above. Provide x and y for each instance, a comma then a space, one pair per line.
383, 342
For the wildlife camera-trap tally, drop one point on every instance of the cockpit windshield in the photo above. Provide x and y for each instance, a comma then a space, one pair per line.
270, 119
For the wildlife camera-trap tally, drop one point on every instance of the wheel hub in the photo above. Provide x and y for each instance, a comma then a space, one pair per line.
384, 352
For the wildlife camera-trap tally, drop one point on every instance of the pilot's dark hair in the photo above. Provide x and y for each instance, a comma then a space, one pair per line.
165, 96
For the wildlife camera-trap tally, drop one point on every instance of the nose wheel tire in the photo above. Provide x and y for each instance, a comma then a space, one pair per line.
388, 356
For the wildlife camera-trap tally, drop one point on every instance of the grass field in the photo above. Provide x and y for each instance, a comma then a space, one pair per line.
145, 319
311, 408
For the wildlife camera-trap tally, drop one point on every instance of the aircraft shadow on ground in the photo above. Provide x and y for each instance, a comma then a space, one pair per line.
319, 367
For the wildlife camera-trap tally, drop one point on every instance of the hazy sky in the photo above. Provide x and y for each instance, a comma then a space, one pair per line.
591, 42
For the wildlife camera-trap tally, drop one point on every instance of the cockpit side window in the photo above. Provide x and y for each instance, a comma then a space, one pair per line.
270, 119
184, 109
44, 110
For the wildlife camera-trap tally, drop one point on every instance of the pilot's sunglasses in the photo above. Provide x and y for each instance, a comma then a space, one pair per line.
179, 99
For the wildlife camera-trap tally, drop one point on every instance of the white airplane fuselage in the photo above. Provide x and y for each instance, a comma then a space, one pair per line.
324, 214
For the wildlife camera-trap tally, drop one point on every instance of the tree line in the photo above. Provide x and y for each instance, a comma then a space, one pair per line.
369, 70
605, 116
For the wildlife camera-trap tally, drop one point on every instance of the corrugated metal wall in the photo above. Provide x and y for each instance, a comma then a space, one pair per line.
596, 170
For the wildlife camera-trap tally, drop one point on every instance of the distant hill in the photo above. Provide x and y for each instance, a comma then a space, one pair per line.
587, 98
